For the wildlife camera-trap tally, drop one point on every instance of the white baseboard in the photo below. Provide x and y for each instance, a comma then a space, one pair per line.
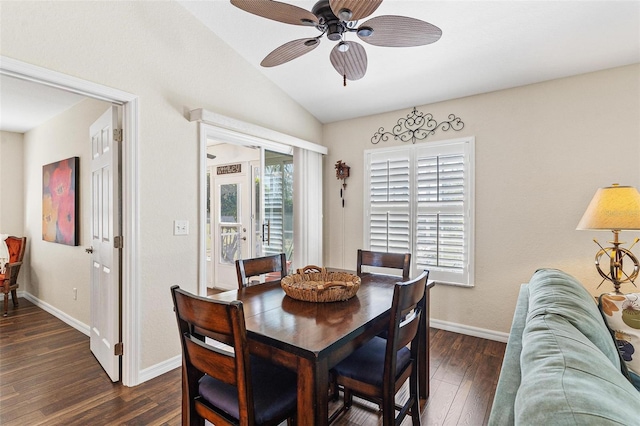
80, 326
159, 369
469, 330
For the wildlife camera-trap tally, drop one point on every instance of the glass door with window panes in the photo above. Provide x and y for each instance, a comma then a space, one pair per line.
276, 230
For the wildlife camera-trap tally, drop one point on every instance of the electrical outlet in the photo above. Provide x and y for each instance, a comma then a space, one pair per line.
180, 227
75, 294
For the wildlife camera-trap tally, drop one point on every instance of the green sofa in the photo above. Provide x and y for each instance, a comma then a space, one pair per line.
561, 365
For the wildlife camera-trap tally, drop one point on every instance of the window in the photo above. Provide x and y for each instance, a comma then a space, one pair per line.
419, 199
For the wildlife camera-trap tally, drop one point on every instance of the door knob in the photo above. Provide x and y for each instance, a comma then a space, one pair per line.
89, 250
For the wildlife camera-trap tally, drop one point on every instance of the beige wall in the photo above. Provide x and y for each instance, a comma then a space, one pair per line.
160, 52
541, 152
56, 269
11, 184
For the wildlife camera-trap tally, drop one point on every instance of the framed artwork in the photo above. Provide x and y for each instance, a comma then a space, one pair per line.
60, 201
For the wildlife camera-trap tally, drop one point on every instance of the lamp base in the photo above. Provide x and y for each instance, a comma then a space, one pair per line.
616, 254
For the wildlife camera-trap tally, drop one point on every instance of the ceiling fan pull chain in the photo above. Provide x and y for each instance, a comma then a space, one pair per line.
344, 80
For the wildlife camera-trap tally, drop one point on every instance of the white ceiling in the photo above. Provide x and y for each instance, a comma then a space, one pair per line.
25, 105
485, 46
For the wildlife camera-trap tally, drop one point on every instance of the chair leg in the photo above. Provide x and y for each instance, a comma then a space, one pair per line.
415, 412
388, 411
14, 297
415, 406
6, 304
348, 398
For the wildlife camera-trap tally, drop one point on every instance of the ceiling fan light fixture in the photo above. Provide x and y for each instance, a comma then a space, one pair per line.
365, 31
343, 46
334, 31
345, 14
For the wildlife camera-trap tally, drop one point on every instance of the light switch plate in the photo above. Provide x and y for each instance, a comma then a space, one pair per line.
180, 227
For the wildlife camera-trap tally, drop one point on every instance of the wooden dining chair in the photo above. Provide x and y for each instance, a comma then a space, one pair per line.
9, 278
275, 265
384, 260
379, 368
223, 387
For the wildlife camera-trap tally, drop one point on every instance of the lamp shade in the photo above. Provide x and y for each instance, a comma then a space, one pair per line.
613, 208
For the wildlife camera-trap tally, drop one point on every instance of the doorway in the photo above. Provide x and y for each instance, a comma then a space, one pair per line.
130, 209
249, 203
307, 183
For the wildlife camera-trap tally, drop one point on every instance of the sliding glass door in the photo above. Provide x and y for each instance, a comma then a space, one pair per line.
277, 232
249, 209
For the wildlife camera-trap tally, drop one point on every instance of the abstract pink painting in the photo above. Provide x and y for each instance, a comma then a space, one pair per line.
60, 201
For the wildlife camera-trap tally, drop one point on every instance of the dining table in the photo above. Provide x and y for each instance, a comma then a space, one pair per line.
310, 338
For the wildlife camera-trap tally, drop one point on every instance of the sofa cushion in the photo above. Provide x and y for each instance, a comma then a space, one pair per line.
622, 313
555, 292
567, 380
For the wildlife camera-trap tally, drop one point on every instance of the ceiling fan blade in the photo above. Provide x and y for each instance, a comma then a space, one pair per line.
399, 31
359, 9
351, 64
281, 12
289, 51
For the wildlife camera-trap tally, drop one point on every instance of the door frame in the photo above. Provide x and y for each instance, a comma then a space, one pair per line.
130, 190
229, 130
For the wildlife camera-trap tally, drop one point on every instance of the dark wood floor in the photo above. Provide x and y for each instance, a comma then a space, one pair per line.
48, 376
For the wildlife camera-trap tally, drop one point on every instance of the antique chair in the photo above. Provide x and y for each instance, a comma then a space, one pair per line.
9, 279
379, 368
274, 266
384, 260
224, 384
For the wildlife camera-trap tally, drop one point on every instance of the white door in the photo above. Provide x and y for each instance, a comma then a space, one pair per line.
105, 258
231, 221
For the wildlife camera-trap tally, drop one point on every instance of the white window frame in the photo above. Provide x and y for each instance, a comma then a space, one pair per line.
464, 146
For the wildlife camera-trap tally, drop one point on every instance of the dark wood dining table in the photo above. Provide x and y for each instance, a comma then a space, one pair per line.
311, 338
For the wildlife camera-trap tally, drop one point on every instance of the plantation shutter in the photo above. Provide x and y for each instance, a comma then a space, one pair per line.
389, 202
420, 200
441, 241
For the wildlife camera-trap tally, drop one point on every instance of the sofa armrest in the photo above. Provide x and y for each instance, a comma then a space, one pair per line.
502, 411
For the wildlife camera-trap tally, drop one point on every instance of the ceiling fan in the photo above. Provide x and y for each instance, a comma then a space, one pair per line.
336, 19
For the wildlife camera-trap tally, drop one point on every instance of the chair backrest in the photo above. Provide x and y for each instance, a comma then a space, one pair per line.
16, 246
247, 268
406, 309
200, 317
385, 260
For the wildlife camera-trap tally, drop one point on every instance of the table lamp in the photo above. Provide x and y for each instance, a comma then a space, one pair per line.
614, 208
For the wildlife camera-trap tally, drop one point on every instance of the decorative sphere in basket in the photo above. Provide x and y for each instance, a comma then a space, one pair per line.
315, 284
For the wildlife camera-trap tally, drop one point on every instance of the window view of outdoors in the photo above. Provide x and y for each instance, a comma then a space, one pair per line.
278, 208
229, 228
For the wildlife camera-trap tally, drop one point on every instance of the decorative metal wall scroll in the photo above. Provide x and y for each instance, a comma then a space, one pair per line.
417, 126
342, 172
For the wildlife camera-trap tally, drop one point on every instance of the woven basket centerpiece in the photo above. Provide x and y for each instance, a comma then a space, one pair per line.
315, 284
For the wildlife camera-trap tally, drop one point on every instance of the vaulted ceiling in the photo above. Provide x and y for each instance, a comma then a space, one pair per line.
485, 46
